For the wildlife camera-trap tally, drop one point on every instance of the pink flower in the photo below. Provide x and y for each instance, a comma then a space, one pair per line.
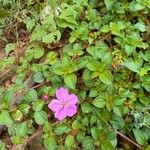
64, 105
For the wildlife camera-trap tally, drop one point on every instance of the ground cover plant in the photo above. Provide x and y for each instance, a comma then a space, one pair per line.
74, 74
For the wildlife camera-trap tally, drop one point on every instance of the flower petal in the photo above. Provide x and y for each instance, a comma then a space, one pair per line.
55, 105
61, 114
62, 94
72, 99
71, 110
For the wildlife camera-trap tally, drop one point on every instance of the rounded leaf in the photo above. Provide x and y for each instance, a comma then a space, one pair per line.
99, 102
40, 117
38, 77
50, 143
69, 141
106, 77
70, 80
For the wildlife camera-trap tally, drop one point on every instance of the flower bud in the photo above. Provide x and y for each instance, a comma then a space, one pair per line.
45, 97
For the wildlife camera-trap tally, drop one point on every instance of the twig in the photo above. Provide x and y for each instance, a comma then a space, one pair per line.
37, 133
131, 141
147, 21
16, 53
8, 73
55, 123
38, 85
18, 96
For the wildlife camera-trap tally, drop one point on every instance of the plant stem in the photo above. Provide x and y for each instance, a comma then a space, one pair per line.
37, 133
128, 139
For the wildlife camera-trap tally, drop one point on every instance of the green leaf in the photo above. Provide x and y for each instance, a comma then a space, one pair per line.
81, 63
107, 58
3, 11
93, 93
106, 77
69, 141
91, 14
132, 66
67, 18
17, 115
105, 29
109, 104
52, 37
87, 78
60, 129
38, 77
38, 52
21, 129
141, 26
135, 40
30, 23
17, 140
106, 145
134, 6
40, 117
99, 102
86, 108
118, 110
57, 68
129, 49
5, 118
70, 80
80, 136
93, 119
98, 51
77, 125
51, 58
109, 4
38, 33
88, 143
147, 147
53, 3
31, 95
92, 65
38, 105
24, 108
50, 143
10, 47
95, 133
117, 122
48, 38
140, 136
119, 100
9, 95
85, 121
35, 51
2, 145
47, 126
117, 27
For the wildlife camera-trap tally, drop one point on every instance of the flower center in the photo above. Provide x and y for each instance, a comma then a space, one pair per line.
64, 104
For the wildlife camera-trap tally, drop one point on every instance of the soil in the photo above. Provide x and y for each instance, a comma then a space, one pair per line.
21, 41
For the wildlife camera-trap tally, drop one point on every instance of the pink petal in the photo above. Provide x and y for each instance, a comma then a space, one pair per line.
62, 94
55, 105
72, 99
61, 114
71, 110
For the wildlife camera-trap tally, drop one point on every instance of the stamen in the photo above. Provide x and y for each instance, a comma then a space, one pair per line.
64, 104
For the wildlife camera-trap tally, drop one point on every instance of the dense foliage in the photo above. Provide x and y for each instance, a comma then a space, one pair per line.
99, 50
